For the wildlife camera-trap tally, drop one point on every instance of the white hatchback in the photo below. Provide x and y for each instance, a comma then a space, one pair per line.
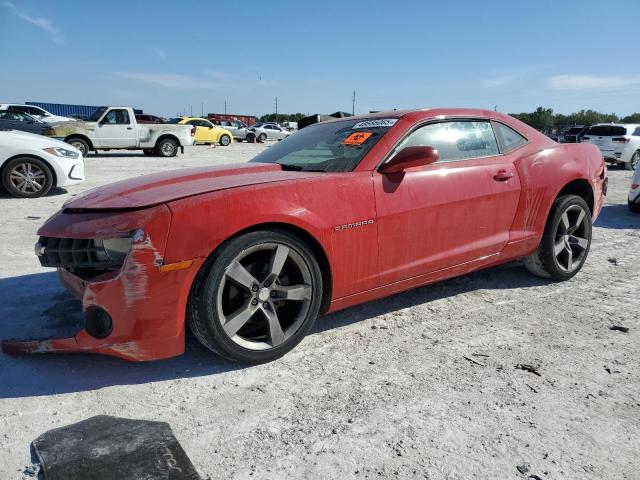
37, 112
30, 164
619, 143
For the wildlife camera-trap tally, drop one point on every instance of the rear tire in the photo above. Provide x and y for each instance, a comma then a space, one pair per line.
167, 147
633, 207
566, 240
633, 163
257, 297
27, 177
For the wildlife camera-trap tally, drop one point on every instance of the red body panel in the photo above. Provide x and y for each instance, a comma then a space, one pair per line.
380, 234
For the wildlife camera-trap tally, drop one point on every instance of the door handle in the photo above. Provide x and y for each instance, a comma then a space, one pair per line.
129, 128
502, 176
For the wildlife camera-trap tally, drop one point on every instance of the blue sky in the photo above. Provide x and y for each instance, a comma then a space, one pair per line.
167, 56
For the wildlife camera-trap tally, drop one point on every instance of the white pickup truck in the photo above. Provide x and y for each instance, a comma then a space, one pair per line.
112, 128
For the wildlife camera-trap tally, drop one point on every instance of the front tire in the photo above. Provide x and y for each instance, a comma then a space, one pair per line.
566, 240
80, 144
262, 137
633, 163
258, 297
27, 177
225, 140
167, 147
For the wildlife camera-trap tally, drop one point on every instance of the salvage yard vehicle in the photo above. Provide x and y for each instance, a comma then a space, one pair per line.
269, 131
37, 112
205, 131
23, 122
619, 144
634, 192
112, 128
30, 164
344, 212
238, 129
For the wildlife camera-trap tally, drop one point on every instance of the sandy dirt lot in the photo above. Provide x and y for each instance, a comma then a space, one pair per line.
382, 390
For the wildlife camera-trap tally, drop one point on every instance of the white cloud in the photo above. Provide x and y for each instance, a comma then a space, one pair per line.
167, 80
590, 82
500, 81
40, 22
160, 53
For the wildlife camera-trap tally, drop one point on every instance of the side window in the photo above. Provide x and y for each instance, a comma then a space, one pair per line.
18, 108
35, 111
203, 123
457, 140
509, 139
117, 117
636, 132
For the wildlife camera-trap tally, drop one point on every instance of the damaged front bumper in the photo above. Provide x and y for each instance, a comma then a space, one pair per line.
135, 311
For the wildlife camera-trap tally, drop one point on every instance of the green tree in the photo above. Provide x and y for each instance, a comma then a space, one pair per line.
633, 118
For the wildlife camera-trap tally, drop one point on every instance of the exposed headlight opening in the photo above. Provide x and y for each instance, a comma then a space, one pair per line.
113, 249
62, 152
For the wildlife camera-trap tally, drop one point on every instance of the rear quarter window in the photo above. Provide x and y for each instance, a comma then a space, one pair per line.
508, 138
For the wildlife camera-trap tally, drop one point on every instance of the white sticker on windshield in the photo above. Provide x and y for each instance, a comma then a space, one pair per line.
383, 122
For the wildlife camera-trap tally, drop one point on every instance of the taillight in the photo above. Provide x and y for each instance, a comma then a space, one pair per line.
193, 131
620, 139
634, 186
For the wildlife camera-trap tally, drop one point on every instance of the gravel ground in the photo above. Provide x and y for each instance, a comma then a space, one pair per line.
382, 390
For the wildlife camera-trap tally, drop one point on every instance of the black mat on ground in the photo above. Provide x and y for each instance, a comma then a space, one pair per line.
111, 448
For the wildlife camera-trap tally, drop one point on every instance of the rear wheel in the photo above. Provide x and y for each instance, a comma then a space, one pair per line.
167, 147
633, 163
225, 140
565, 242
80, 144
258, 298
27, 177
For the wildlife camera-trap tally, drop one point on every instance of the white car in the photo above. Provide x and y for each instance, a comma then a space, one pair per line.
634, 193
37, 112
30, 164
269, 131
619, 143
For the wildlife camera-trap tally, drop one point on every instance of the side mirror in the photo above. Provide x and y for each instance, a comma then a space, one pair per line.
410, 157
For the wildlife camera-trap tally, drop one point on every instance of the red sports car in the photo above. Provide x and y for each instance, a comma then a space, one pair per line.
340, 213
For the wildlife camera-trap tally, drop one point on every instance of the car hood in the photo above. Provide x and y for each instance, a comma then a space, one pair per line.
157, 188
33, 140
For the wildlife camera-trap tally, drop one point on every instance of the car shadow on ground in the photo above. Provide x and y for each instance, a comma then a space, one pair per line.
617, 216
54, 192
36, 306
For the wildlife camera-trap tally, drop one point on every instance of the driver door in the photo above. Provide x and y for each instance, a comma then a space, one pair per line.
115, 130
454, 211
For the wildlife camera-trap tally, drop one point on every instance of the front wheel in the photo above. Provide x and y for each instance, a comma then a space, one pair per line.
258, 297
27, 177
80, 144
565, 242
225, 140
633, 163
262, 137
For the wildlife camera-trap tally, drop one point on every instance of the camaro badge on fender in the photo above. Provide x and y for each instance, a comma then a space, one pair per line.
353, 225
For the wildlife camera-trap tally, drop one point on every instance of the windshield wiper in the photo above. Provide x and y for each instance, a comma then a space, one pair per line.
297, 168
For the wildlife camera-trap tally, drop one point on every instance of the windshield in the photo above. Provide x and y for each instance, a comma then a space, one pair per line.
607, 131
97, 114
175, 120
327, 147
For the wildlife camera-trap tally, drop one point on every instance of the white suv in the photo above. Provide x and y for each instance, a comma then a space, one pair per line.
619, 143
37, 112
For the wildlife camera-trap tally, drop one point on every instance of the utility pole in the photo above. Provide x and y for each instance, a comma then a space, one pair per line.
225, 108
495, 108
353, 103
276, 109
202, 109
191, 110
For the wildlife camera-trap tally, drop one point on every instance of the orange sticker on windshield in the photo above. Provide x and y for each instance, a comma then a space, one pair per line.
357, 138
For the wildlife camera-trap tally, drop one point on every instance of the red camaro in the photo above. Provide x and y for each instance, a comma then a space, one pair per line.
340, 213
